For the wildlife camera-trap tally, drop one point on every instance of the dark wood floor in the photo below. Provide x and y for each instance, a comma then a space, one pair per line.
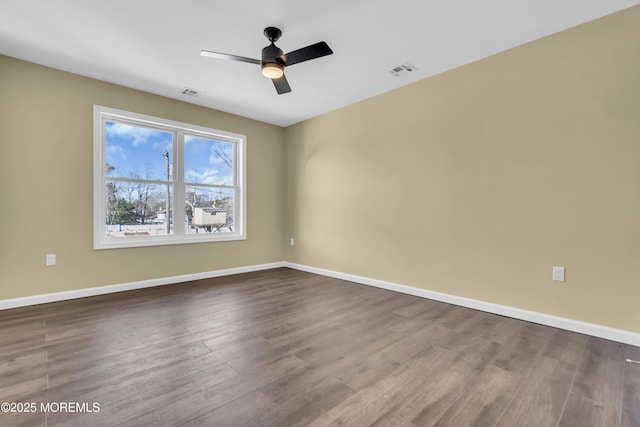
283, 348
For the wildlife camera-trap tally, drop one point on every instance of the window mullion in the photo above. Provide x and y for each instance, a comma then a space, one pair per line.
178, 179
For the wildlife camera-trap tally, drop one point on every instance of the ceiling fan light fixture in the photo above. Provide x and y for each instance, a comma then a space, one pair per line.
272, 70
274, 61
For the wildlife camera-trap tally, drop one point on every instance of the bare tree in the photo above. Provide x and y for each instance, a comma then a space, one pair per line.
224, 154
112, 195
142, 193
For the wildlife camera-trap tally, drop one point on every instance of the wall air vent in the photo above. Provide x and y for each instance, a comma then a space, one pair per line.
401, 69
190, 92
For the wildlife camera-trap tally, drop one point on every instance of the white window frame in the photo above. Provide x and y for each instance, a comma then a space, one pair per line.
179, 236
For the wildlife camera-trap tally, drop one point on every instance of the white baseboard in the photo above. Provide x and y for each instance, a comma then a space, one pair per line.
109, 289
618, 335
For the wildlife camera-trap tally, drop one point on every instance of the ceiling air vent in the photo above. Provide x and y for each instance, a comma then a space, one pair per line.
191, 92
402, 69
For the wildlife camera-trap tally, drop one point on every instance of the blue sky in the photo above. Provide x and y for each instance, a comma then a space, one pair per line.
137, 151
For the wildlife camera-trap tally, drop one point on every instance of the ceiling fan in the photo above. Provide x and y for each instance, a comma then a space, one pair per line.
274, 61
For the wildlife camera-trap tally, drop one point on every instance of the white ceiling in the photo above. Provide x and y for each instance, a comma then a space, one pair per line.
154, 45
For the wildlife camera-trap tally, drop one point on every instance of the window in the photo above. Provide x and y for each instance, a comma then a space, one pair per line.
159, 182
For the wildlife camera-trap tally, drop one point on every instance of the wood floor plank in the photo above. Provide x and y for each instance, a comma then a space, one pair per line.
305, 406
541, 398
373, 402
426, 385
392, 419
18, 390
147, 391
286, 347
28, 419
631, 392
235, 413
17, 365
580, 411
439, 390
600, 377
483, 402
566, 346
291, 385
181, 410
22, 344
84, 368
523, 349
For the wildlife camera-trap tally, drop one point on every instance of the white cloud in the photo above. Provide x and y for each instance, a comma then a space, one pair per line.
215, 160
114, 149
138, 135
208, 176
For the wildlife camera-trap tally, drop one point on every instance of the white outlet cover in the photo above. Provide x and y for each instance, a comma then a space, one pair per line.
50, 259
558, 274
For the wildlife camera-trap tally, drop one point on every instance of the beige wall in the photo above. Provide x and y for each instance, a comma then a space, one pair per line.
46, 201
477, 181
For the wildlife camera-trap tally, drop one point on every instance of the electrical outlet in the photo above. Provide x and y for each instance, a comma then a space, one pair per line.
50, 260
558, 274
292, 242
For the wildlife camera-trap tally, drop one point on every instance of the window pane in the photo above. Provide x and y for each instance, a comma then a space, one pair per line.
137, 152
138, 209
209, 209
207, 161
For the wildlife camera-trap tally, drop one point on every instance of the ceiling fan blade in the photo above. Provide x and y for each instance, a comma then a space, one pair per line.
282, 85
218, 55
307, 53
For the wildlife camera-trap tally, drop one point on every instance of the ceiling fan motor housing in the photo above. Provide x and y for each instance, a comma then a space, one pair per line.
272, 53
